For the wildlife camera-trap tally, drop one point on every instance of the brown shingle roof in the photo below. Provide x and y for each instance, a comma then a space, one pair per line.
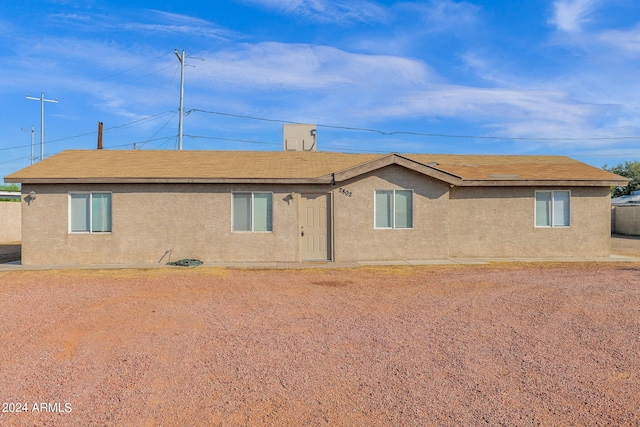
253, 166
483, 167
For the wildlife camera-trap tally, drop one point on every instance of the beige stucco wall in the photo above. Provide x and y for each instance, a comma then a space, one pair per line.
355, 235
9, 222
194, 221
499, 222
626, 220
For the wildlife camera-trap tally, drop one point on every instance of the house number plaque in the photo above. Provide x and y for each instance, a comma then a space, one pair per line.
345, 192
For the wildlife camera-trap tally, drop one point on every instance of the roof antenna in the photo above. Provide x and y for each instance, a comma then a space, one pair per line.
181, 59
42, 101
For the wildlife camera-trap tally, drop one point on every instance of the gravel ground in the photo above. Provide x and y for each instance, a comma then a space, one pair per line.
505, 344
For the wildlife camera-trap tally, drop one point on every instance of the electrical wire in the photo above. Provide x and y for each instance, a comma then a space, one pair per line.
122, 72
230, 139
95, 132
134, 80
14, 160
159, 130
430, 135
278, 144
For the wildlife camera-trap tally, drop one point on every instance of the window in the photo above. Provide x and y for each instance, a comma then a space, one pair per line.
90, 212
393, 209
252, 211
553, 208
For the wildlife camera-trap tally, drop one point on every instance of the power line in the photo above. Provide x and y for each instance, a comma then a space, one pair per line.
94, 132
134, 80
430, 135
136, 143
231, 139
141, 120
278, 143
14, 160
121, 72
159, 130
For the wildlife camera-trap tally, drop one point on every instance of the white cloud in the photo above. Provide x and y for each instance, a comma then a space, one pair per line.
277, 66
516, 112
625, 40
570, 15
298, 82
441, 15
151, 21
327, 10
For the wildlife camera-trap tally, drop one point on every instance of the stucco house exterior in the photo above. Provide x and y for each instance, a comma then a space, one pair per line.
104, 206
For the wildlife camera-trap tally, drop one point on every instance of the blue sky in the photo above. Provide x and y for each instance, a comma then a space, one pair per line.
442, 76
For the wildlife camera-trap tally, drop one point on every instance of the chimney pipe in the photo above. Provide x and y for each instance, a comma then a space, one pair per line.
99, 135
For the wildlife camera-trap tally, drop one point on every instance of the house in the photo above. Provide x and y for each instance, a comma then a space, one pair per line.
104, 206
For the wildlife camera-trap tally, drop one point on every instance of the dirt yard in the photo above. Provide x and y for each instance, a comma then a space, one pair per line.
505, 344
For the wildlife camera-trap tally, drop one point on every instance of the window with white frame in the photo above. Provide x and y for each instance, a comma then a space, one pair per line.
90, 212
393, 209
553, 208
252, 211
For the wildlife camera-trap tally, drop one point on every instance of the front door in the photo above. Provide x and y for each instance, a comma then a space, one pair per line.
314, 227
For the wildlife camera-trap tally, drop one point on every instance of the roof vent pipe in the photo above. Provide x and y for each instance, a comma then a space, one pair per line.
100, 135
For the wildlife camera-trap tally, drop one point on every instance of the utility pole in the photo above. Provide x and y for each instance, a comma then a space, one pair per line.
32, 132
181, 59
42, 101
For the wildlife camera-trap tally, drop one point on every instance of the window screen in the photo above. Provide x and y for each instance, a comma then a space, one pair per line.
543, 209
403, 209
242, 211
100, 212
80, 213
561, 209
384, 209
262, 211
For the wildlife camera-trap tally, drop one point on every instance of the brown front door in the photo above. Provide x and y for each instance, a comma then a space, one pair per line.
314, 227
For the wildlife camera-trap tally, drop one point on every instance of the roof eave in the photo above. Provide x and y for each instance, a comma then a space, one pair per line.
321, 180
541, 183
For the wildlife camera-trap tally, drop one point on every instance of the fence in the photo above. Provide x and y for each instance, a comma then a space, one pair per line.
626, 220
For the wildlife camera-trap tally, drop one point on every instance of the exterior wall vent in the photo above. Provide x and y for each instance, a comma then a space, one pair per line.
299, 137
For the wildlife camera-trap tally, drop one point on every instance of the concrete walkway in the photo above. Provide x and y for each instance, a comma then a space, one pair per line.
625, 248
16, 266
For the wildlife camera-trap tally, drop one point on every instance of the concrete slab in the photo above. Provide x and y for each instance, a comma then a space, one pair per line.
430, 262
282, 265
382, 263
243, 265
470, 261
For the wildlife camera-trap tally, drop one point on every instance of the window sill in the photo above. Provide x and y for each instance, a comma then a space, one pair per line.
391, 228
84, 233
